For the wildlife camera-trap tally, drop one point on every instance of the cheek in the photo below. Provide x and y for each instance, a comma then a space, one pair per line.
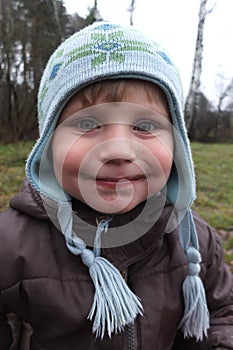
66, 161
162, 156
165, 158
71, 163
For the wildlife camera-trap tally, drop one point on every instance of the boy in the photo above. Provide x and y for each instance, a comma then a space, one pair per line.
101, 241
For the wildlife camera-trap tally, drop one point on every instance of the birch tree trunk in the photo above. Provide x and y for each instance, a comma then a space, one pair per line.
192, 101
131, 11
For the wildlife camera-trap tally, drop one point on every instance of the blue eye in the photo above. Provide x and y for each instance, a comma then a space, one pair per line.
145, 127
87, 125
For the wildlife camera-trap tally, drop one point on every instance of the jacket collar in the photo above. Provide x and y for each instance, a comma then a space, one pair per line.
146, 224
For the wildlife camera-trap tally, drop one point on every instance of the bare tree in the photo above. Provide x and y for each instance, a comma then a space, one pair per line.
226, 94
57, 18
192, 101
131, 11
29, 32
97, 15
7, 71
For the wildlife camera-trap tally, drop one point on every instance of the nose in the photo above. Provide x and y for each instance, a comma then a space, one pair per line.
118, 146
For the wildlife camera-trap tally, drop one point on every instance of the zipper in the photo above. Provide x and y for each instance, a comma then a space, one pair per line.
130, 330
131, 337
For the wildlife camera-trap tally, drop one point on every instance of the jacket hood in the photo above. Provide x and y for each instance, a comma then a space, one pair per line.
29, 202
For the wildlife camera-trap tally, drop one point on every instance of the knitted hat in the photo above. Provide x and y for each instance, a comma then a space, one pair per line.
109, 51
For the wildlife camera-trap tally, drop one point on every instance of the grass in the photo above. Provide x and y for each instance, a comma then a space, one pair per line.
213, 166
214, 169
12, 170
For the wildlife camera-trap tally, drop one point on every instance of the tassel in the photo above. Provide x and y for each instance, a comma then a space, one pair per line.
114, 305
195, 321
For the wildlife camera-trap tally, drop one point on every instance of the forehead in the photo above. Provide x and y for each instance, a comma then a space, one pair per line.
134, 91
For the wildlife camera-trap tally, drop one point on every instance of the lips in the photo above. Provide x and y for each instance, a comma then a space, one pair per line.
112, 182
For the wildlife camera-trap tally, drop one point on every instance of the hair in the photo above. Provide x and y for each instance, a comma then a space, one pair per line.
115, 90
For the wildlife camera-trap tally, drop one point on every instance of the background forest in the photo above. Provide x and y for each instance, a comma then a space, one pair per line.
30, 30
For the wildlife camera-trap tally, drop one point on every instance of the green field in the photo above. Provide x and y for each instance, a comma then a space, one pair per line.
213, 166
214, 169
12, 170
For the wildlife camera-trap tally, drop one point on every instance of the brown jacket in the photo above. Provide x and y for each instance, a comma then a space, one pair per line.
46, 292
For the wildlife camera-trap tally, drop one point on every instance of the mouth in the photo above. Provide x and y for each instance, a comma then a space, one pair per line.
112, 182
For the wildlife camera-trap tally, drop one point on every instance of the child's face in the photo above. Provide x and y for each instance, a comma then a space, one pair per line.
113, 156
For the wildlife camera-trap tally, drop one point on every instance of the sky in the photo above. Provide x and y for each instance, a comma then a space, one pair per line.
173, 23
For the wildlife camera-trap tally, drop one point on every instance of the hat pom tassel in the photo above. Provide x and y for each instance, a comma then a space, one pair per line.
195, 321
114, 305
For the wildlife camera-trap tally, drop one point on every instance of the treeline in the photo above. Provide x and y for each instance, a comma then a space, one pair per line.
30, 30
214, 124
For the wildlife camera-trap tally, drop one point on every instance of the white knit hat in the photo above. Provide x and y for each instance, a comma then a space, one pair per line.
109, 51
